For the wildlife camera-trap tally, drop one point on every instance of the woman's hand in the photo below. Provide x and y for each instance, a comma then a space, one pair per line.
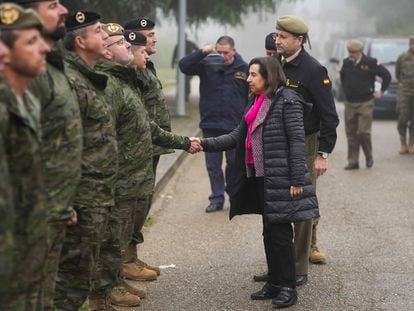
295, 191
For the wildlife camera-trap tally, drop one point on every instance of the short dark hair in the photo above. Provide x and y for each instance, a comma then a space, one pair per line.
69, 40
8, 37
271, 71
223, 40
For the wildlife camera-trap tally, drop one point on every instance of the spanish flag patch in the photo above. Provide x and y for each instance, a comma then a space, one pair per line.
326, 81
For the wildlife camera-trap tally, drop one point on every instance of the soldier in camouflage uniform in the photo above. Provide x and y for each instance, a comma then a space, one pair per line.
154, 101
21, 142
134, 135
6, 205
61, 138
404, 71
95, 194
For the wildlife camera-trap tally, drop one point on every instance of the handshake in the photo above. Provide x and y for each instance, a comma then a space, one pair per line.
195, 146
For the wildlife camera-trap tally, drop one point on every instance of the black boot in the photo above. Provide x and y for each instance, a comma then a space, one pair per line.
262, 277
268, 291
286, 298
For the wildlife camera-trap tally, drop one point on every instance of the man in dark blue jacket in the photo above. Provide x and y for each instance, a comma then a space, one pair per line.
223, 97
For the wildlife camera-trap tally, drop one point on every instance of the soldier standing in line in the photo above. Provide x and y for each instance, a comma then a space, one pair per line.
20, 32
61, 137
404, 71
307, 76
6, 203
94, 197
358, 75
157, 109
135, 161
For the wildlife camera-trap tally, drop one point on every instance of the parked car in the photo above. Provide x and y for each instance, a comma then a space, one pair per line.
386, 50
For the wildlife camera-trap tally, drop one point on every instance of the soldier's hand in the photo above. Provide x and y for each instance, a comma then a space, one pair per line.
208, 48
320, 166
73, 219
195, 145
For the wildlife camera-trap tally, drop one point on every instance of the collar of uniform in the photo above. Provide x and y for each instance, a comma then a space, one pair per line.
124, 73
55, 57
98, 79
296, 61
291, 57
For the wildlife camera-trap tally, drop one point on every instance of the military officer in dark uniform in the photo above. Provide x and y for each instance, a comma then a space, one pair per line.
306, 75
358, 75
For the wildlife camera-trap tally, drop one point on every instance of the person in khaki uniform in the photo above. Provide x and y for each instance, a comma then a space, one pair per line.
404, 72
21, 136
358, 74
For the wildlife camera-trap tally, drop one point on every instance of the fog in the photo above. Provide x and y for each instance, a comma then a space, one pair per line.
326, 19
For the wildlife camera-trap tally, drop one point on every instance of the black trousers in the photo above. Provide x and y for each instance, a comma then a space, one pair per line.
278, 243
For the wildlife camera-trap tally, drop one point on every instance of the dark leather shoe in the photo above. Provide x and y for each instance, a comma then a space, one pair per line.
370, 162
263, 277
214, 207
350, 166
286, 298
268, 291
301, 279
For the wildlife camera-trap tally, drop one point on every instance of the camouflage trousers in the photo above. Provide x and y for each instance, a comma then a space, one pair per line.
114, 244
141, 213
28, 274
57, 231
405, 109
80, 251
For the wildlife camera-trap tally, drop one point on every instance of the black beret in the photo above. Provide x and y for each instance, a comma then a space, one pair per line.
135, 37
270, 42
140, 24
80, 19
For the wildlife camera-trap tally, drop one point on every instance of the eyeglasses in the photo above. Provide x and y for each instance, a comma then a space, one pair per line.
119, 42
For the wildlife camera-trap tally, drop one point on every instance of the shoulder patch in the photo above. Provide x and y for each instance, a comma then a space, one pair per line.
240, 75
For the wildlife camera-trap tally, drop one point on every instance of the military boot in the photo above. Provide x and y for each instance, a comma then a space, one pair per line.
98, 302
119, 296
132, 271
411, 145
403, 148
316, 256
140, 263
136, 289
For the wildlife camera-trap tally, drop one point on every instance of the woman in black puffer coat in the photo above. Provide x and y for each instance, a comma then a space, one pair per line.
270, 149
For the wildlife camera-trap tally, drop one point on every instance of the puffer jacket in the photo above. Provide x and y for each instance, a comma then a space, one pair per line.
284, 163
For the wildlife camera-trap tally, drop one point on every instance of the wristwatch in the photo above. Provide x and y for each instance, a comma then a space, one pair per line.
324, 155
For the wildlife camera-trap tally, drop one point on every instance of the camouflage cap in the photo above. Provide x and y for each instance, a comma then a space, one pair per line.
80, 19
140, 24
13, 16
135, 37
355, 45
270, 43
113, 29
293, 24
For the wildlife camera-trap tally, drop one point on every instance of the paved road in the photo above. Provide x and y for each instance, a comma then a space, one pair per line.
367, 230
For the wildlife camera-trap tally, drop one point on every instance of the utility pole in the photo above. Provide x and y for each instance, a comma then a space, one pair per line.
180, 104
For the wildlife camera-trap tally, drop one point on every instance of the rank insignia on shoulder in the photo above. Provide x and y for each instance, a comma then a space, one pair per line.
326, 82
240, 75
290, 84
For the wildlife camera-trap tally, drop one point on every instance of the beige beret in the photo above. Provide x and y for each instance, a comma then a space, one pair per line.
14, 17
293, 24
355, 45
113, 29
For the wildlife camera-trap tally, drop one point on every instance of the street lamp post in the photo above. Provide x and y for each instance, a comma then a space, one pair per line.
180, 104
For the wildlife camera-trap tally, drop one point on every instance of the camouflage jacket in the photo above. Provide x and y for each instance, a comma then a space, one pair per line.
6, 207
154, 101
404, 72
135, 132
100, 148
61, 136
21, 141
